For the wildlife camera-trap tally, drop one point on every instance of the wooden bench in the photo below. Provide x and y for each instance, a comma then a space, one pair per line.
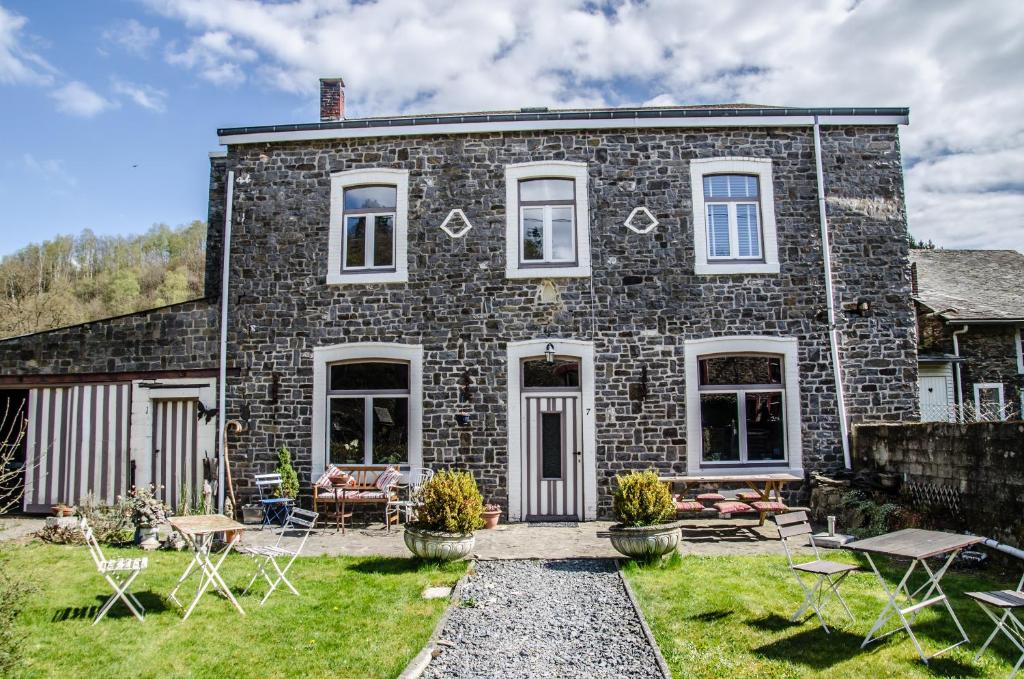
763, 505
359, 489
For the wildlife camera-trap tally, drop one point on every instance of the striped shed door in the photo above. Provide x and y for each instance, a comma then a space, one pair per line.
177, 463
552, 436
77, 444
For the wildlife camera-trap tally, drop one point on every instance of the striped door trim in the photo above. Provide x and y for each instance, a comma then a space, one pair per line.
176, 463
562, 497
77, 444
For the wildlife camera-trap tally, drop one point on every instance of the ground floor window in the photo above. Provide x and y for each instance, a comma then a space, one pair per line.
742, 417
368, 412
988, 401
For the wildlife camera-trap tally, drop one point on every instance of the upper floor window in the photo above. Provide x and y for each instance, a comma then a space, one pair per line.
369, 227
734, 216
547, 221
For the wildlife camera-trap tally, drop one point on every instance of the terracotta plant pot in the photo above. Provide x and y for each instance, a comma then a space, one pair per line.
62, 510
490, 519
645, 543
437, 546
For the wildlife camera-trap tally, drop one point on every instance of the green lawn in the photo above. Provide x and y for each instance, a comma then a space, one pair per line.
729, 617
357, 617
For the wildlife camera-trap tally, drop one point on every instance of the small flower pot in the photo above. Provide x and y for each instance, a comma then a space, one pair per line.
490, 519
438, 546
645, 543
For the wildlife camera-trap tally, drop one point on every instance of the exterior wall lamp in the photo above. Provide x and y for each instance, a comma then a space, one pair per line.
549, 353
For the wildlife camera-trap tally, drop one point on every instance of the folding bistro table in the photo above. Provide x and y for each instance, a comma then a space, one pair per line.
918, 546
199, 531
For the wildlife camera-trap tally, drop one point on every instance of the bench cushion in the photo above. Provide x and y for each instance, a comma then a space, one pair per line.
689, 506
365, 496
771, 506
733, 507
710, 497
331, 477
748, 496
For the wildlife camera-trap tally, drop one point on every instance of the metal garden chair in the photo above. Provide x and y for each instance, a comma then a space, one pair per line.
816, 597
297, 527
275, 509
120, 573
1002, 606
415, 478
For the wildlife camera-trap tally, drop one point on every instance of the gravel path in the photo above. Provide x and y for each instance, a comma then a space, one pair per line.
568, 618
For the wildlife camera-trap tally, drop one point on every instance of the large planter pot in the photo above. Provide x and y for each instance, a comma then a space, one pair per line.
436, 546
147, 537
645, 542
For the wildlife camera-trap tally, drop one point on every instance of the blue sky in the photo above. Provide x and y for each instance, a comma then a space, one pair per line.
110, 108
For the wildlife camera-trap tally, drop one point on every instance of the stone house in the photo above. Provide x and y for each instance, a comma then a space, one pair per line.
970, 313
545, 298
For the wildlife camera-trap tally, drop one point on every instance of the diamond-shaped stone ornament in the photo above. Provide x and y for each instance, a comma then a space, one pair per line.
648, 217
451, 226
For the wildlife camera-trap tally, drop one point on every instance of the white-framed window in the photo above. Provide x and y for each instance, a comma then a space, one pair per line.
369, 223
988, 401
547, 232
743, 404
733, 216
367, 404
1020, 352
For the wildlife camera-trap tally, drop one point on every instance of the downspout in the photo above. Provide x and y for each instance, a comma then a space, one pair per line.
959, 380
222, 380
833, 332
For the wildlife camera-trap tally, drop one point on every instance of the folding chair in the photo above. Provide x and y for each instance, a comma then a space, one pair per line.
1001, 607
816, 596
275, 509
299, 521
120, 573
415, 478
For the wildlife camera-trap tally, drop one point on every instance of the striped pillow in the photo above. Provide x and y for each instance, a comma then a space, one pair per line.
325, 482
387, 478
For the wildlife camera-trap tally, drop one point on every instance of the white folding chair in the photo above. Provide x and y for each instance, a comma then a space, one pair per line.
1001, 607
415, 478
299, 521
120, 573
817, 595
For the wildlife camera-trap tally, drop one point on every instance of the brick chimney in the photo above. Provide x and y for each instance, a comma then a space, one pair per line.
332, 100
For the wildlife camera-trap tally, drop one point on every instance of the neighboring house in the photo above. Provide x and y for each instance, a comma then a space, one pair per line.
970, 311
545, 298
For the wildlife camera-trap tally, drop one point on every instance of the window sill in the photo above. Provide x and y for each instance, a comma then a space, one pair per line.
363, 278
705, 269
541, 272
733, 469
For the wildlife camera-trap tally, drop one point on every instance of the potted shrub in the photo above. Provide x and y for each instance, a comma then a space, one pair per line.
449, 513
645, 512
490, 516
147, 514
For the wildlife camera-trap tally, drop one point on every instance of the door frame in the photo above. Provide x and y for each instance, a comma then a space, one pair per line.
579, 349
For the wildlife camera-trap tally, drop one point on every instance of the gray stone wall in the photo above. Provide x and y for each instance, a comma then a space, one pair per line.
215, 227
641, 304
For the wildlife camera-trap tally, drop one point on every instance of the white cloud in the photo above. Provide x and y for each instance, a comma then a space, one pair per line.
145, 96
50, 170
132, 36
19, 64
78, 99
957, 65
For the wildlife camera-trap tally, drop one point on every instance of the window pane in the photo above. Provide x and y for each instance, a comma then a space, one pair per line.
561, 234
355, 243
765, 440
747, 230
562, 373
390, 430
371, 198
730, 186
730, 370
533, 234
546, 189
718, 230
383, 240
347, 430
366, 376
551, 445
719, 427
989, 407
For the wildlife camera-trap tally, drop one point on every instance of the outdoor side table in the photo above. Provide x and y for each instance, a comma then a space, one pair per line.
198, 531
918, 546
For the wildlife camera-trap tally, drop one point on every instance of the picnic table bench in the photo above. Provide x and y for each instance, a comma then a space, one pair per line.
761, 501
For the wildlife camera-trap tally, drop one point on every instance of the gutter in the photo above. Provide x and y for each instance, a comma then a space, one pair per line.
223, 377
956, 366
833, 332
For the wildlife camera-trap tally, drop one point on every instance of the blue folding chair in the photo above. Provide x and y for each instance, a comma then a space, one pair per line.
275, 509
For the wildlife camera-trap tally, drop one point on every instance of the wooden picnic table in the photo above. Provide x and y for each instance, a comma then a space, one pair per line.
917, 545
199, 531
769, 484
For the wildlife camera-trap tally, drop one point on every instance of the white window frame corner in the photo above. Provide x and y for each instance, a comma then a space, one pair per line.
363, 177
324, 356
762, 169
547, 169
998, 386
788, 348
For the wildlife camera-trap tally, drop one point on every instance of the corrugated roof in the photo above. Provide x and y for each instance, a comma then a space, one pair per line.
971, 285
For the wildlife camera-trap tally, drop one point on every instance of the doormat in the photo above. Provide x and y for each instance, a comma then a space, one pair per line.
553, 524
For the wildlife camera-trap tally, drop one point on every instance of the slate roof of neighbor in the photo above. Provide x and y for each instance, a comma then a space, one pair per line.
971, 285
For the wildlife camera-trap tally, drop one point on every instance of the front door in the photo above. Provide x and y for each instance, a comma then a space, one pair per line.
177, 460
935, 406
552, 440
